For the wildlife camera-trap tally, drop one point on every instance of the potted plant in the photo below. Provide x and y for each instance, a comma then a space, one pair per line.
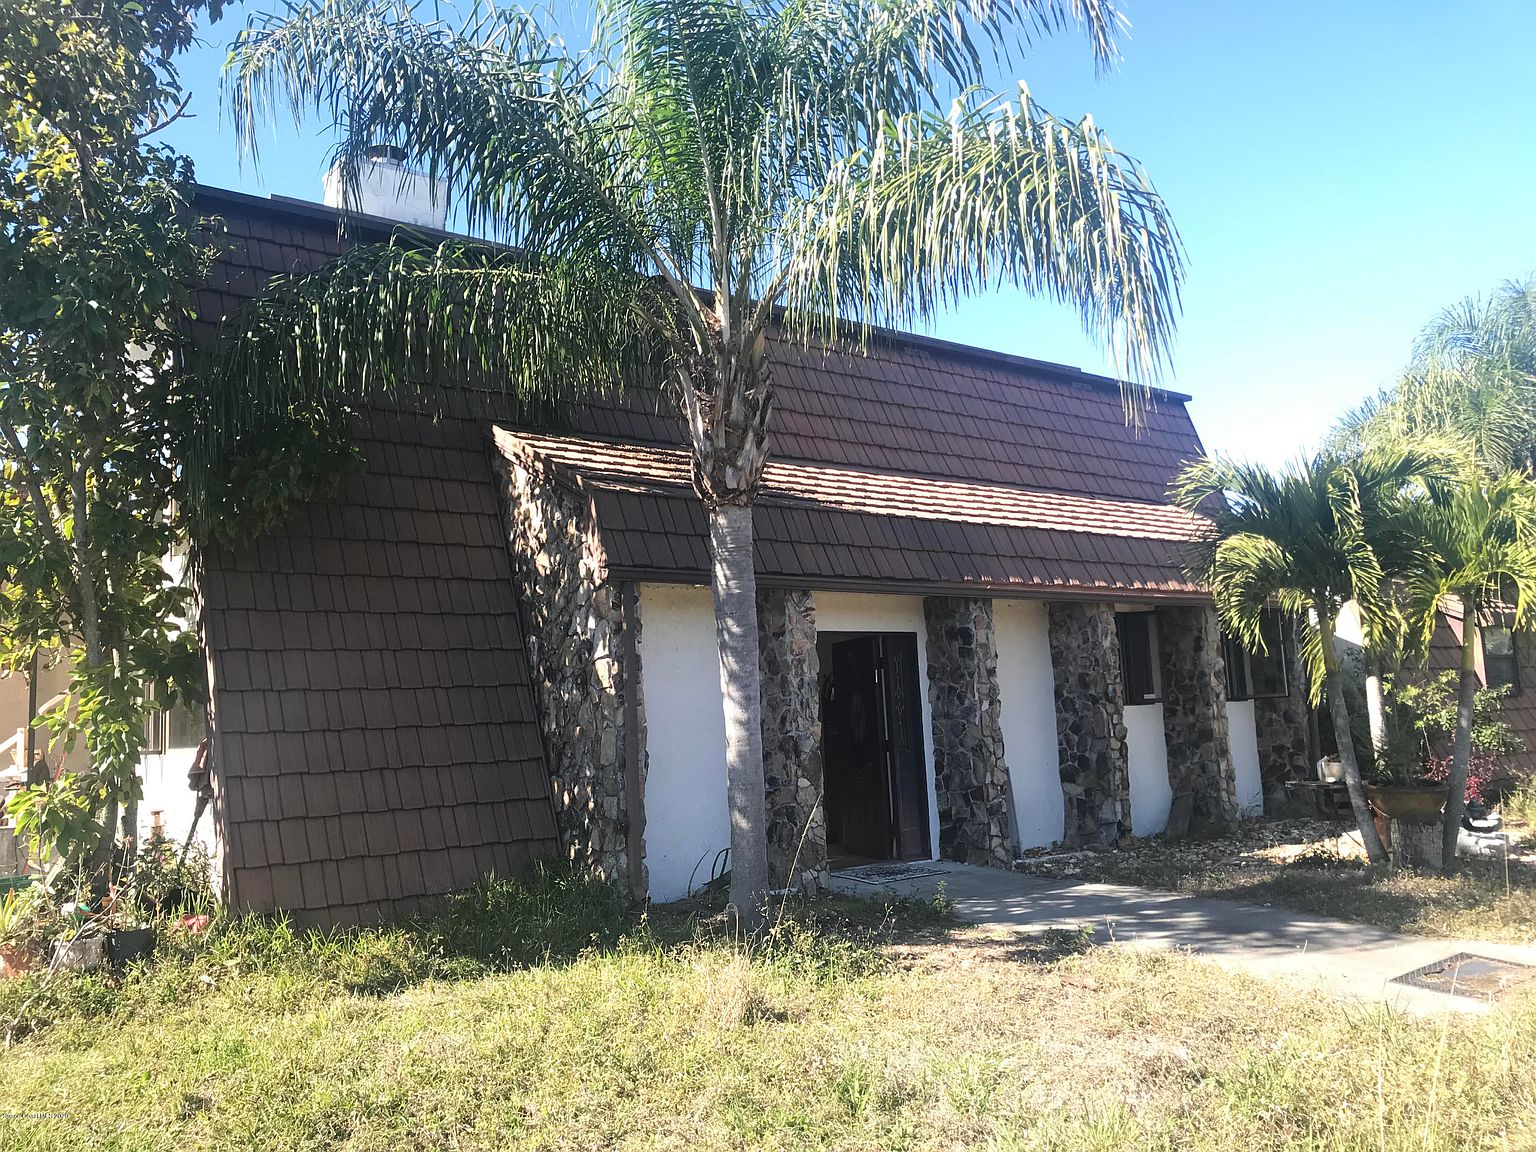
1397, 784
1401, 792
28, 921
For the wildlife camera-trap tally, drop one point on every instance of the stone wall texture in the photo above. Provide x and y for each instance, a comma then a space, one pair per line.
970, 773
575, 624
1282, 725
792, 770
1090, 723
1194, 688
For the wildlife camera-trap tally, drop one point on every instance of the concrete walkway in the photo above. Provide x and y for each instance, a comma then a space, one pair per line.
1344, 959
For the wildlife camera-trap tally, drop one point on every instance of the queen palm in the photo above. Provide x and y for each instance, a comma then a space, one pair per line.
1477, 547
708, 171
1472, 380
1301, 541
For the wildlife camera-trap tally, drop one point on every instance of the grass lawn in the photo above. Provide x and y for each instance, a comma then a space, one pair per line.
1298, 864
549, 1021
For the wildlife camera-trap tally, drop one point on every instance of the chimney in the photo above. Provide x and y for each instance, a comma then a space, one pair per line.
387, 188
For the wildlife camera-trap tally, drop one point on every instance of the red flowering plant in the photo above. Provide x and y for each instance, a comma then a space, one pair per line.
1484, 772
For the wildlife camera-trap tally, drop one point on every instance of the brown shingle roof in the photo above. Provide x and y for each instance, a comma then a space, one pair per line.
825, 525
908, 404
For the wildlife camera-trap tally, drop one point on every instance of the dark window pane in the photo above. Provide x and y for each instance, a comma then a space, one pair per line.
1499, 665
1138, 659
1237, 670
1258, 675
184, 726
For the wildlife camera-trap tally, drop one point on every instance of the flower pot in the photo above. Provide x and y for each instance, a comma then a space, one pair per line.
16, 962
1330, 770
83, 955
1413, 804
130, 944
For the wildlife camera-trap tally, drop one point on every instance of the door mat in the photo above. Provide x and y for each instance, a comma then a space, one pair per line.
888, 873
1470, 975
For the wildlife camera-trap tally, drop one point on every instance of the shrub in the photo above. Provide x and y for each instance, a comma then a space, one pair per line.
1484, 772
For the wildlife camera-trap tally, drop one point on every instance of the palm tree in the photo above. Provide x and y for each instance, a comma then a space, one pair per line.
707, 171
1472, 380
1477, 547
1300, 541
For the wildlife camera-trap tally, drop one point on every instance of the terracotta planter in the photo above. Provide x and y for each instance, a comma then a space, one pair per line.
16, 962
1413, 804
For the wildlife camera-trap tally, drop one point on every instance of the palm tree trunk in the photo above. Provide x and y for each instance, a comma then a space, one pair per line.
1461, 751
1375, 704
735, 593
1339, 709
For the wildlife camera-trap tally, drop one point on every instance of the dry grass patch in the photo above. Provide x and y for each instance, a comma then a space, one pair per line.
1315, 867
855, 1027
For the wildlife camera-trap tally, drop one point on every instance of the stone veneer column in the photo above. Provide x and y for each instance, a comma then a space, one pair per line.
970, 773
792, 776
1090, 723
1284, 729
1194, 687
585, 671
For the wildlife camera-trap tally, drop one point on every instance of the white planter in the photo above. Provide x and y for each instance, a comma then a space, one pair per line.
1331, 770
85, 955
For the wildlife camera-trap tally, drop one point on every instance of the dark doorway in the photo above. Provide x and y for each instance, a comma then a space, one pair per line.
872, 748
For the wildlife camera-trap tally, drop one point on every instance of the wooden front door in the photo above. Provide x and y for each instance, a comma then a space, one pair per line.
876, 772
857, 754
904, 741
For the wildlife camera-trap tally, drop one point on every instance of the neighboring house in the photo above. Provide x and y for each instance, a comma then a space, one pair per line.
496, 643
1504, 658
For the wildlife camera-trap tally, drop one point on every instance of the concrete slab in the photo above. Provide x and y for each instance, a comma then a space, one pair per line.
1343, 959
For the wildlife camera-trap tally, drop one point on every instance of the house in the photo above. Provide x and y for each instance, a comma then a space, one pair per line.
496, 642
1502, 658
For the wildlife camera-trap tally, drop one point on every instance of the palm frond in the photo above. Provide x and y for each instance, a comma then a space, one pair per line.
939, 208
398, 320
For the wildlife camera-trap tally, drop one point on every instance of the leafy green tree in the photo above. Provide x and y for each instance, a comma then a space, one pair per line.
1478, 549
96, 246
1300, 540
706, 171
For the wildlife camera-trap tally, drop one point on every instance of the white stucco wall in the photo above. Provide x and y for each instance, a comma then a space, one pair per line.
863, 612
686, 816
1147, 758
1029, 719
1244, 739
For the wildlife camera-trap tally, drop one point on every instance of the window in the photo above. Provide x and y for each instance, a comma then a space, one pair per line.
1138, 657
179, 726
1500, 669
1258, 675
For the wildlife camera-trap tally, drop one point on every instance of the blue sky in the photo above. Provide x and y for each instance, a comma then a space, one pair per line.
1339, 172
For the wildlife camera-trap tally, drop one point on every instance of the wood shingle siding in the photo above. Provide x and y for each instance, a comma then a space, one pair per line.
375, 741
